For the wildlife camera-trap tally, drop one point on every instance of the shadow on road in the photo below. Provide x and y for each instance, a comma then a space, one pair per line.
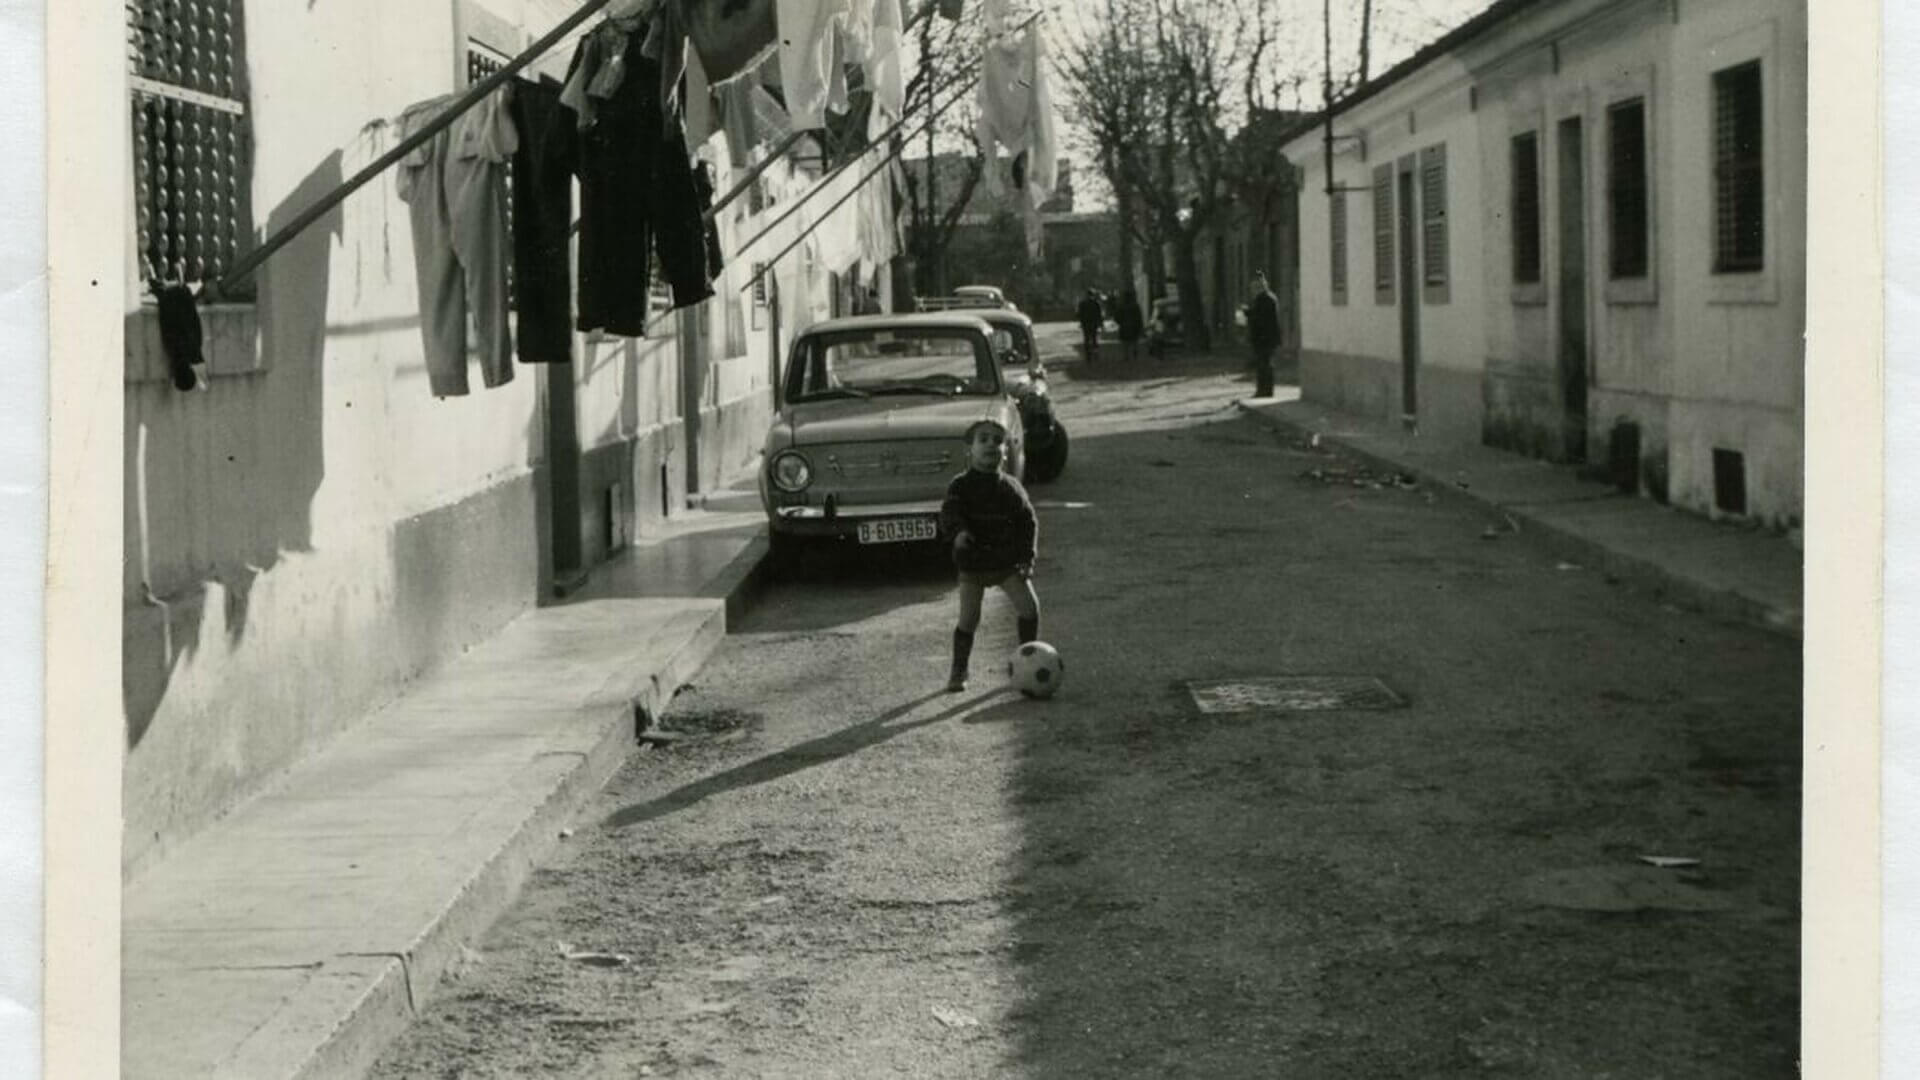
842, 743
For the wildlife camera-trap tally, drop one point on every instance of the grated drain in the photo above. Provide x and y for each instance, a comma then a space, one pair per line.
1294, 693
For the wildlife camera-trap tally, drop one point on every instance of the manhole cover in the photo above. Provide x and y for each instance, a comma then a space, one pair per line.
1294, 693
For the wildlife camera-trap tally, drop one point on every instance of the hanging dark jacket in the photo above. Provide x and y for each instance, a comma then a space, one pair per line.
638, 197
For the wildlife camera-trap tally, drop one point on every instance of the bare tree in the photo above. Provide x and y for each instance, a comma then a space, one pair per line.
948, 55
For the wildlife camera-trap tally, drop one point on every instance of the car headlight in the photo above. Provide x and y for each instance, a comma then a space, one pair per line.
790, 471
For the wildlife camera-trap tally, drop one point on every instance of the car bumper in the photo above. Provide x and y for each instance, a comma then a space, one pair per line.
844, 521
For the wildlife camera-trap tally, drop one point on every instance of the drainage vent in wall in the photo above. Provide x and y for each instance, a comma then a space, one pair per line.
1729, 481
1294, 693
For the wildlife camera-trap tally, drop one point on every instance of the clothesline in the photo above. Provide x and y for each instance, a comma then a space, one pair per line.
473, 95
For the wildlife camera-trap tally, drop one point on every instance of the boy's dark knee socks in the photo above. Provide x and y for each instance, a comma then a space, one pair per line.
962, 650
1029, 629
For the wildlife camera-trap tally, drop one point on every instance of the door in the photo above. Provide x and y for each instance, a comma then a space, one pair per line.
1571, 279
1408, 228
563, 465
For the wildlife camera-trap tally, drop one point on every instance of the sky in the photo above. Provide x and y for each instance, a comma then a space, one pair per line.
1400, 28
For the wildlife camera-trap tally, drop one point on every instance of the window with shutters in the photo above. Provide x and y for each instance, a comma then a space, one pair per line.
1337, 243
192, 147
759, 305
1383, 234
1627, 238
1433, 223
1739, 174
1523, 173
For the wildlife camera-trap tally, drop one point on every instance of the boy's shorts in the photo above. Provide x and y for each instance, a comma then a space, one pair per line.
987, 579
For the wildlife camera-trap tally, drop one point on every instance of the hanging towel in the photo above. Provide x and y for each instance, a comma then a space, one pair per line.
1016, 111
638, 199
542, 221
806, 56
455, 189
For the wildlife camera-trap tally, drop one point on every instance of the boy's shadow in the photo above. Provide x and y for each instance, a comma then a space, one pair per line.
839, 744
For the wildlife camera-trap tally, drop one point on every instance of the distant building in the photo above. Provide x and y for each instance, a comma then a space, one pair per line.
1577, 228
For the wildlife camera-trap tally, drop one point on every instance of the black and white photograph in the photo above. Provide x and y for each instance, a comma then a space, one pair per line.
960, 538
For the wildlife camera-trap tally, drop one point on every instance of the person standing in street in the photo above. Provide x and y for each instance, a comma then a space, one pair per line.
1131, 323
995, 538
1263, 329
1091, 316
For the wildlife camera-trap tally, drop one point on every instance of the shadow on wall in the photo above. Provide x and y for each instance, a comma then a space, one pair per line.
220, 483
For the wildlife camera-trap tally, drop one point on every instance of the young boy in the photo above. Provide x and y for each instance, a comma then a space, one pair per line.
995, 536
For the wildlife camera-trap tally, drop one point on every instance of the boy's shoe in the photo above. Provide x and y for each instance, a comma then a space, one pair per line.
956, 683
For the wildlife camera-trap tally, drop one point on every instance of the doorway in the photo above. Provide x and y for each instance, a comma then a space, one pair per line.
1409, 300
1572, 282
563, 466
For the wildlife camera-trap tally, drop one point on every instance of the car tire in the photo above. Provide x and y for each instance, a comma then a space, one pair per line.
1049, 463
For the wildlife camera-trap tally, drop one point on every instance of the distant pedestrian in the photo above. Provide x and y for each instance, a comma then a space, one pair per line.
1263, 329
1091, 316
1132, 324
995, 537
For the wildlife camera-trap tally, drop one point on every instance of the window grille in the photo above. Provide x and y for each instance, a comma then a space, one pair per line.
759, 284
1627, 189
1383, 233
1739, 175
192, 147
1337, 245
1433, 213
1525, 176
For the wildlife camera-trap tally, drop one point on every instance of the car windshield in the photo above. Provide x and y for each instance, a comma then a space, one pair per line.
931, 361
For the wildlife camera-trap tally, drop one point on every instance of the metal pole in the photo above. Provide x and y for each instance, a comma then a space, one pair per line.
460, 105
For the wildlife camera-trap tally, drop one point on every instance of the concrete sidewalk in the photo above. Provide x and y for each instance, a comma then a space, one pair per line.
299, 934
1725, 569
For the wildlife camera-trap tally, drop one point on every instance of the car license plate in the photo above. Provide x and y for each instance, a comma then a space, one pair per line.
898, 530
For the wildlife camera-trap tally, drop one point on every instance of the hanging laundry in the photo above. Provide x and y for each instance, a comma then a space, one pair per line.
952, 9
883, 66
455, 188
181, 335
700, 122
1016, 107
703, 187
731, 37
665, 44
637, 197
542, 222
806, 56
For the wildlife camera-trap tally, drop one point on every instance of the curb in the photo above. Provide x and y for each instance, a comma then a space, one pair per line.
1645, 575
345, 1045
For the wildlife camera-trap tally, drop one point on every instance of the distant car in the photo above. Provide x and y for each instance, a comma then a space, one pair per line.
873, 415
1014, 346
1163, 324
967, 297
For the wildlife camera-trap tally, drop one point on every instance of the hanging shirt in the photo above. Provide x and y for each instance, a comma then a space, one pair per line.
806, 56
731, 37
638, 198
1016, 111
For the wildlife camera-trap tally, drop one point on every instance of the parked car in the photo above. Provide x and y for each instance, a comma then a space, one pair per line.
1017, 352
967, 297
873, 416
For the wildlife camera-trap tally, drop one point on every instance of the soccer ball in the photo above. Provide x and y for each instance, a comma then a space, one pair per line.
1035, 669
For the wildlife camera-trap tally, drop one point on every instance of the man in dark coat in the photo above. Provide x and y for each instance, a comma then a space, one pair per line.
1091, 316
1132, 324
1263, 329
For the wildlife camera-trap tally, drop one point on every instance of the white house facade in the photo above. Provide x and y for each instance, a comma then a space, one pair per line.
1576, 229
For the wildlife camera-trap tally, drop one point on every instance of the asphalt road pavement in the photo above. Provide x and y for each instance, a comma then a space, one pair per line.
842, 872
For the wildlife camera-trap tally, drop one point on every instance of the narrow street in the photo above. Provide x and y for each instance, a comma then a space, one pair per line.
843, 872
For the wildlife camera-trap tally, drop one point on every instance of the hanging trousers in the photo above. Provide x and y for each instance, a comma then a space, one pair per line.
456, 196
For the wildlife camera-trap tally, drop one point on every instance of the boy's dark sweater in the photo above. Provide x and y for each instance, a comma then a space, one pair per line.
994, 509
